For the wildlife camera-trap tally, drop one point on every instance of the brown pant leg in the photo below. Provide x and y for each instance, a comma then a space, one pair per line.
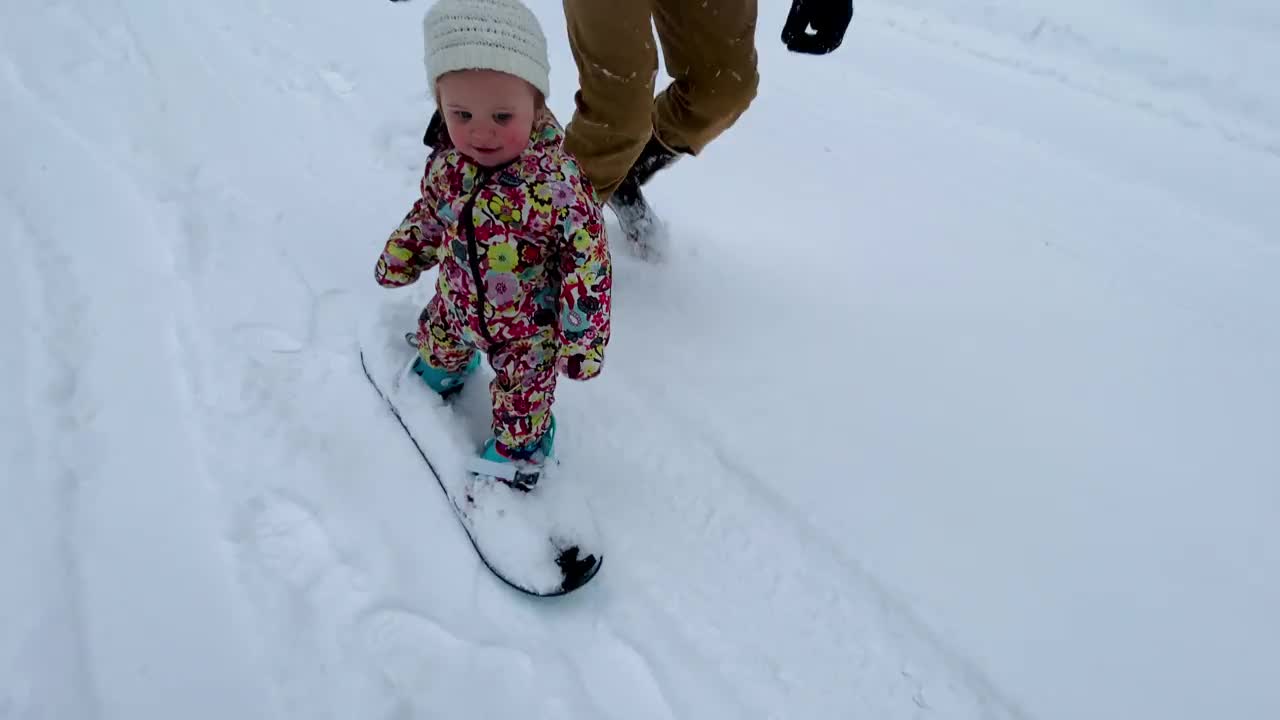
613, 46
709, 49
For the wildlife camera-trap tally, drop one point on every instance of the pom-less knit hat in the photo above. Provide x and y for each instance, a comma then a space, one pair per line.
501, 35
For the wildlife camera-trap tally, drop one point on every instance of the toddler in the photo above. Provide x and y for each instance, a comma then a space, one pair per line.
514, 228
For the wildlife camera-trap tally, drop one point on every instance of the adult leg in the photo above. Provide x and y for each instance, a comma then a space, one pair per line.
617, 58
710, 52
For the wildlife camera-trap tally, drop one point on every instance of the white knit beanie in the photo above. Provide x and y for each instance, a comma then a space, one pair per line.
501, 35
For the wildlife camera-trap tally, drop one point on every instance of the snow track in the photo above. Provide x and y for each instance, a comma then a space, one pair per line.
48, 672
119, 353
1133, 54
961, 367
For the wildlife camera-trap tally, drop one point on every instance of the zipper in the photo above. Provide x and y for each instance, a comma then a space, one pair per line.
473, 253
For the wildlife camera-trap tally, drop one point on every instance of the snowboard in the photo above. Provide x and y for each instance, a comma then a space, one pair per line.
542, 541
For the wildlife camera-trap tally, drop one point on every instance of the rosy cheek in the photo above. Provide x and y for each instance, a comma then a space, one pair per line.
459, 132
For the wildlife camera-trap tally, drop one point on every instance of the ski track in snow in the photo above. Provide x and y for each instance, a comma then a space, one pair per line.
123, 363
50, 679
1126, 55
881, 656
177, 321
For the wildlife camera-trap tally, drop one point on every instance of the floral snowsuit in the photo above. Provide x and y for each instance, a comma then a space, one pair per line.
525, 273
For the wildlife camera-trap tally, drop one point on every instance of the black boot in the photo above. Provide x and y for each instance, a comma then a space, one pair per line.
634, 214
653, 158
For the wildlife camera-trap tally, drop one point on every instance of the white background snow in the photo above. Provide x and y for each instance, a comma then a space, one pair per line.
957, 396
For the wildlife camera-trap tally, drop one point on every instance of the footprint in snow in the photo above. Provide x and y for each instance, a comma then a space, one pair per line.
339, 84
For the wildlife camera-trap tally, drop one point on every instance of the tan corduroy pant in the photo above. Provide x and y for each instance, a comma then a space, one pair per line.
709, 51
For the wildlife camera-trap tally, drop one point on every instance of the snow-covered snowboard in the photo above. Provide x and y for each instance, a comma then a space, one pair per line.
542, 541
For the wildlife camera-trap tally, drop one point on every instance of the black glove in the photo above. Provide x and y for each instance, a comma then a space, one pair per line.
829, 19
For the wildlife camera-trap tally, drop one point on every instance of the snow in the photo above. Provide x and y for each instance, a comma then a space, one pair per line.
955, 395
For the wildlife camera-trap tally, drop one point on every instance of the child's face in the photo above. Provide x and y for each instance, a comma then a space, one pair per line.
489, 114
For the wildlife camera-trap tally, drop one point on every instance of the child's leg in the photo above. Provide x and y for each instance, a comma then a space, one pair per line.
444, 359
440, 342
523, 390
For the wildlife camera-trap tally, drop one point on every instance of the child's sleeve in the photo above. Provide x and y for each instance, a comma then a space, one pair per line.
586, 285
411, 249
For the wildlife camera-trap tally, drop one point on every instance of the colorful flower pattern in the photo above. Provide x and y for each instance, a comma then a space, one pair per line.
524, 381
528, 279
